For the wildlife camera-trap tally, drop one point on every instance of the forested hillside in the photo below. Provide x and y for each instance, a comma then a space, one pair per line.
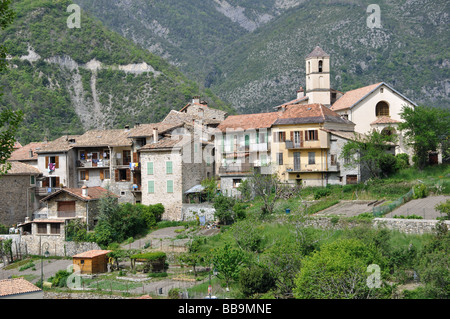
251, 53
67, 80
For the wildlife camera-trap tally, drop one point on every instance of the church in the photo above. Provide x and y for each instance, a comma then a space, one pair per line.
376, 106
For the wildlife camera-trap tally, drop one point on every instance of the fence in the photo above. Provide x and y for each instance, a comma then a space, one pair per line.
380, 211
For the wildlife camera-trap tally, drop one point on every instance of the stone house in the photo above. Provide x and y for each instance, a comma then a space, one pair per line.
17, 189
242, 144
75, 203
171, 167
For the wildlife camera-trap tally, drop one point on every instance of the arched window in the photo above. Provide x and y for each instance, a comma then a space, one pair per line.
388, 131
320, 65
382, 109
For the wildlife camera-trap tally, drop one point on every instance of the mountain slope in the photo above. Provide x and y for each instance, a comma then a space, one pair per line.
70, 80
251, 53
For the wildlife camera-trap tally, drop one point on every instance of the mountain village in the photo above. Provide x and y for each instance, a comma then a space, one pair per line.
299, 141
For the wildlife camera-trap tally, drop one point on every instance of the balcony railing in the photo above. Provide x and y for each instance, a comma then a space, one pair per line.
310, 168
44, 191
243, 168
93, 163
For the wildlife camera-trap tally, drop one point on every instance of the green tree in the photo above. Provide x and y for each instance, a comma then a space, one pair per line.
227, 261
255, 280
434, 264
369, 151
426, 129
9, 119
338, 271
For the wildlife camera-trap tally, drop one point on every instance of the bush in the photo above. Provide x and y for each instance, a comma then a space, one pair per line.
402, 161
60, 278
420, 191
444, 208
321, 192
255, 280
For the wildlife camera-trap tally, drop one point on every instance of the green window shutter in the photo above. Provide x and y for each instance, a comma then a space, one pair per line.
149, 168
247, 140
170, 186
263, 160
151, 187
169, 168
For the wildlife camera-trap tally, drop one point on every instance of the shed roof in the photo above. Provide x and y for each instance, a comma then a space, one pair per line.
91, 253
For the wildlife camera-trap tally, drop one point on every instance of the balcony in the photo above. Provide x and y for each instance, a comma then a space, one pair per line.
93, 163
244, 168
311, 169
44, 191
290, 145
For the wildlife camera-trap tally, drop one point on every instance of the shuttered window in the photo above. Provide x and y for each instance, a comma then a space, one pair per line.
170, 186
169, 168
151, 187
150, 168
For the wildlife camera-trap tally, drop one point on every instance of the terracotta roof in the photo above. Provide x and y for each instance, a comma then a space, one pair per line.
309, 113
349, 135
17, 145
16, 286
23, 153
94, 193
144, 130
61, 144
317, 52
350, 98
94, 138
18, 168
296, 101
175, 141
248, 121
384, 120
177, 117
91, 253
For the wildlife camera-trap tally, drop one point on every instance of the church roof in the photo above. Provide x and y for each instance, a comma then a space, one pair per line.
352, 98
317, 52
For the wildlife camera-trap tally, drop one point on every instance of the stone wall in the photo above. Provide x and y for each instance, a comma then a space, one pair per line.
408, 226
189, 212
14, 200
55, 245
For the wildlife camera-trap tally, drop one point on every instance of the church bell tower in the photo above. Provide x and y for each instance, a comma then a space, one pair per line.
318, 77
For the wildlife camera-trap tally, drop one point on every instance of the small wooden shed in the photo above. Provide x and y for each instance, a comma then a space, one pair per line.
92, 261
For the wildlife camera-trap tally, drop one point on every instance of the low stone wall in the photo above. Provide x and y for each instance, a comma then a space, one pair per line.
189, 212
55, 245
408, 226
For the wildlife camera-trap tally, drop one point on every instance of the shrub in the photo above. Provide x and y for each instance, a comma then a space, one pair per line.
321, 192
255, 280
444, 208
420, 191
60, 278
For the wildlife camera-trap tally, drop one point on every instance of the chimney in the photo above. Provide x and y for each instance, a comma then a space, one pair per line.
196, 100
31, 153
84, 191
155, 135
300, 93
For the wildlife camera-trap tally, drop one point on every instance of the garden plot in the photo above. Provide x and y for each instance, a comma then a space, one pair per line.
347, 209
423, 207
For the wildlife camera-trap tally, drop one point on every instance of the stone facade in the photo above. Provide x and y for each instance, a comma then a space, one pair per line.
17, 199
203, 211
